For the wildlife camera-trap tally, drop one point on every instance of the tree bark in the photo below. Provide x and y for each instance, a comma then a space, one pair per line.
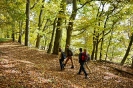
94, 44
58, 36
103, 35
52, 38
39, 26
128, 50
97, 43
20, 32
70, 24
27, 22
132, 63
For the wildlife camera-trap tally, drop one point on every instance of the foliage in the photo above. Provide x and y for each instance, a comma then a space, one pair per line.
110, 16
5, 39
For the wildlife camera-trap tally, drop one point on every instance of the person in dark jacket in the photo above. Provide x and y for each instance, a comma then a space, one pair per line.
69, 56
81, 63
61, 58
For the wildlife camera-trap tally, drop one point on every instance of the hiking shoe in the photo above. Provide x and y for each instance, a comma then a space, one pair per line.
86, 77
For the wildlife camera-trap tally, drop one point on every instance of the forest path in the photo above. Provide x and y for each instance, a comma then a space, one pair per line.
23, 67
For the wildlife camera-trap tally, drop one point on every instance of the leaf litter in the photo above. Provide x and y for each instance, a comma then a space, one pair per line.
23, 67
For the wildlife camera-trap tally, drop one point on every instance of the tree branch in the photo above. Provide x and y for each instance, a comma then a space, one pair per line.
34, 4
83, 5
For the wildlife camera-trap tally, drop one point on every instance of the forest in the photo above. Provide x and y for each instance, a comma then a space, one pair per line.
103, 27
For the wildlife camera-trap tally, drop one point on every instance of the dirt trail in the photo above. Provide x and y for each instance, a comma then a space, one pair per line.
23, 67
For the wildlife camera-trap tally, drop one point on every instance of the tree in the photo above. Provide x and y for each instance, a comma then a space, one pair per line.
40, 25
70, 24
20, 32
128, 50
57, 41
27, 22
52, 37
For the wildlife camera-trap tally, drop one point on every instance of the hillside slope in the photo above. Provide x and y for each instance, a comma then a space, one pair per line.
23, 67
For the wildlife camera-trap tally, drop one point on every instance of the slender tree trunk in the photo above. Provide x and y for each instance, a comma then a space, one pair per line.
13, 35
7, 35
106, 55
45, 44
128, 50
70, 24
39, 26
101, 47
58, 36
103, 35
132, 63
94, 44
52, 38
20, 32
27, 22
13, 32
38, 40
97, 42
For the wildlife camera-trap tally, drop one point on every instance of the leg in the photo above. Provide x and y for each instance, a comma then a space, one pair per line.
71, 62
60, 63
87, 67
83, 69
66, 61
80, 69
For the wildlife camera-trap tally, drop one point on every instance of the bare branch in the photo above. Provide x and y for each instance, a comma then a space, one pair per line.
83, 5
34, 4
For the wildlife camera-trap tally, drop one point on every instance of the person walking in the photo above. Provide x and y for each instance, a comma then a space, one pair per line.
87, 59
82, 61
61, 56
69, 56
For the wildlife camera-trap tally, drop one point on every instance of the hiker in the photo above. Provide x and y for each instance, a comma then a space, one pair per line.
87, 60
61, 56
82, 61
69, 56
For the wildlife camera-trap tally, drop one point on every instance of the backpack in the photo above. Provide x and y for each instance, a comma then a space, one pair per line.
63, 55
88, 58
70, 53
84, 57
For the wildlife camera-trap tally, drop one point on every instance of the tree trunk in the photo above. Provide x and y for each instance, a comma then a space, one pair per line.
13, 32
132, 63
8, 35
27, 22
128, 50
52, 38
103, 35
94, 44
106, 55
58, 36
39, 26
97, 42
70, 25
101, 47
38, 40
13, 35
20, 32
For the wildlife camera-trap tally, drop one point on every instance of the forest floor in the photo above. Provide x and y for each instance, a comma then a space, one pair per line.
23, 67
